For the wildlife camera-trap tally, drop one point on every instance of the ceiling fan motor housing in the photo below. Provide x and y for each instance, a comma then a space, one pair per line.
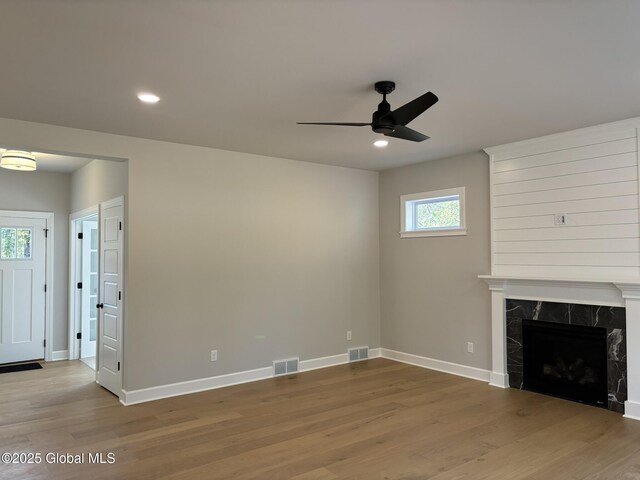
380, 123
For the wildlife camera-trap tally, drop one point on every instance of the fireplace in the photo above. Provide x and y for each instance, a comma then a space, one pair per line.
567, 361
613, 305
578, 320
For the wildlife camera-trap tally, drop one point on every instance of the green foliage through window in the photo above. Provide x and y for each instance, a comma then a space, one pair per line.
15, 243
437, 214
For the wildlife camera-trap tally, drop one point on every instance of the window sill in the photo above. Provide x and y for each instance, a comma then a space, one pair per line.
434, 233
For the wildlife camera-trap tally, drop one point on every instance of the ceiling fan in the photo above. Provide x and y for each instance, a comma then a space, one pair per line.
392, 123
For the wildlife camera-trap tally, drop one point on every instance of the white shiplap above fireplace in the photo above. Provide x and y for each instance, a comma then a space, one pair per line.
589, 177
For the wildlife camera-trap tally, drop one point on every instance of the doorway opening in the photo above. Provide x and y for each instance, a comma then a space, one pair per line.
96, 284
84, 285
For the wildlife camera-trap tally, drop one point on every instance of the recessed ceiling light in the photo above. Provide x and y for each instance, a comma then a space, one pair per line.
381, 143
148, 97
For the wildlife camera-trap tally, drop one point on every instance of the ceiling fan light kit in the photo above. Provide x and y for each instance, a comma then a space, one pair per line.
18, 160
392, 123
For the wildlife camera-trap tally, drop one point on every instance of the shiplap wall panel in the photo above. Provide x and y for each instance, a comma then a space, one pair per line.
569, 193
622, 202
562, 142
569, 258
567, 155
585, 219
566, 168
568, 271
569, 233
598, 245
588, 176
615, 175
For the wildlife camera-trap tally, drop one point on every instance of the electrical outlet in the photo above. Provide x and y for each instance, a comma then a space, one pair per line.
560, 219
469, 347
214, 355
348, 334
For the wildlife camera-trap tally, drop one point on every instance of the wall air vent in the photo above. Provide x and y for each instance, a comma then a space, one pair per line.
285, 367
358, 353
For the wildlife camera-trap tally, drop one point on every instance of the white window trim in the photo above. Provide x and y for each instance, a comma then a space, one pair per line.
433, 232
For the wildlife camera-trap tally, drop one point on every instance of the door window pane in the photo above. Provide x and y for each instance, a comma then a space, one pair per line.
7, 243
15, 243
23, 243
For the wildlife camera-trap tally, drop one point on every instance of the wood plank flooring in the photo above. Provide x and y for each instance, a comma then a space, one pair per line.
370, 420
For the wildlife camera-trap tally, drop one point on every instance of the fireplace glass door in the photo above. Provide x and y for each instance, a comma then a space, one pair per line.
567, 361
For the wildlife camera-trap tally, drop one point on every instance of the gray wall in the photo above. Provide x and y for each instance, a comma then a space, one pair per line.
257, 257
45, 192
432, 302
97, 182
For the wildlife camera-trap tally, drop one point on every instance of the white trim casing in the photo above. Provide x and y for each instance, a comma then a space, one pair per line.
73, 322
437, 365
60, 355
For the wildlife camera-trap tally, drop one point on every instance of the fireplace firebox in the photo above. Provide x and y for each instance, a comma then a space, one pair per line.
567, 361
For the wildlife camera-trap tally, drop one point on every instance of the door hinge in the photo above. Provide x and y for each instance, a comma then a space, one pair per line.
46, 232
79, 336
80, 236
79, 284
120, 295
44, 343
120, 225
118, 366
45, 288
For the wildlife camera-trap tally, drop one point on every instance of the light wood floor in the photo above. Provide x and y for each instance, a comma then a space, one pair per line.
371, 420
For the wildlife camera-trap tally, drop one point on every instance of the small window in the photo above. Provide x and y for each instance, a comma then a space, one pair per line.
15, 243
436, 213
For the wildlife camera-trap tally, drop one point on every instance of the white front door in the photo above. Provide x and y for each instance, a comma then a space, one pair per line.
110, 295
22, 288
89, 288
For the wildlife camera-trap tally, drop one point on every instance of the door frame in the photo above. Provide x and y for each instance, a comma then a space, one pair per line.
48, 273
74, 254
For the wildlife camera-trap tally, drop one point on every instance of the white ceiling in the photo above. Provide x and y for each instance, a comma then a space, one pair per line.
51, 162
237, 75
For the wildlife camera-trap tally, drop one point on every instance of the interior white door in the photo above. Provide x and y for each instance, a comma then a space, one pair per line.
110, 317
22, 288
90, 262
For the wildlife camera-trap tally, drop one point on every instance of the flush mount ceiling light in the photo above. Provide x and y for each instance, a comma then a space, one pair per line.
147, 97
18, 160
380, 143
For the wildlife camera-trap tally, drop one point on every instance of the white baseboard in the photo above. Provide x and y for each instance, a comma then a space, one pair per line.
439, 365
59, 355
500, 380
202, 384
323, 362
632, 410
193, 386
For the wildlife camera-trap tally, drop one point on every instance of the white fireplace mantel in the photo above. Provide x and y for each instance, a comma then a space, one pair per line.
613, 293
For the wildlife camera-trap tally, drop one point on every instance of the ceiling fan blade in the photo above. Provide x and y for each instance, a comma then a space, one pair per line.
336, 124
406, 113
406, 133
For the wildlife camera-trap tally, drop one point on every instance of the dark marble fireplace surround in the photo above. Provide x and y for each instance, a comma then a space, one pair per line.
611, 318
